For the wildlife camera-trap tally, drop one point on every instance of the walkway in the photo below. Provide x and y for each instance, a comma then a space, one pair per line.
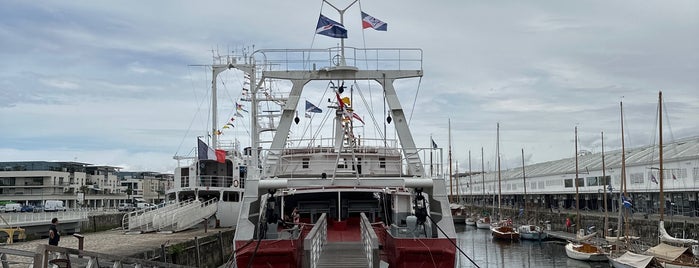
115, 242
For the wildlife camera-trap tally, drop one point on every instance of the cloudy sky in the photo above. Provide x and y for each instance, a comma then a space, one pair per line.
114, 82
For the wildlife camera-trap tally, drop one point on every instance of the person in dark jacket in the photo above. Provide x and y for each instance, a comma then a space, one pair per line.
54, 235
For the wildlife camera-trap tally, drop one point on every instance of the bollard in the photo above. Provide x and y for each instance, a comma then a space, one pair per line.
80, 243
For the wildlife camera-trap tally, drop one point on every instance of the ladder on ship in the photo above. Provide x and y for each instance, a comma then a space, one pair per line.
171, 218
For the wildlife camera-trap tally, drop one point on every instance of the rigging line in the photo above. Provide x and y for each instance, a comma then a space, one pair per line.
366, 56
309, 126
371, 110
412, 110
452, 242
313, 39
189, 128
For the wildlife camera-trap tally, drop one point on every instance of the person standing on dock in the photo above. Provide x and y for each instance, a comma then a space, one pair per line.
54, 235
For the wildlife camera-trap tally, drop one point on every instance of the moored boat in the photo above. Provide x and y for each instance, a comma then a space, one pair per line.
633, 260
531, 232
585, 252
347, 195
505, 231
483, 223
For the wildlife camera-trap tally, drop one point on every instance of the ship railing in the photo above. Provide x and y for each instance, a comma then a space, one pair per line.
53, 256
328, 143
144, 220
370, 241
164, 220
192, 215
387, 162
361, 58
217, 181
314, 242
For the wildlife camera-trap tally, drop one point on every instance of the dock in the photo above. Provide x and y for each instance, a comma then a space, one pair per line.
114, 242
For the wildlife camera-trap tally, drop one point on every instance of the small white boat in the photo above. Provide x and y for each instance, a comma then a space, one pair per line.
483, 223
585, 252
531, 232
470, 221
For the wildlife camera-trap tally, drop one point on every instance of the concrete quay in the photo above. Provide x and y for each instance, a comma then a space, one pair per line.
115, 242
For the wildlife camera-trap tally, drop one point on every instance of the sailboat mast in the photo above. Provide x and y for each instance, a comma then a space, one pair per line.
660, 152
497, 148
623, 174
470, 179
604, 186
483, 175
575, 181
451, 175
524, 178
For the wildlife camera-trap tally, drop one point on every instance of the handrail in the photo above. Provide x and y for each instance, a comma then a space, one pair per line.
315, 241
15, 219
193, 214
44, 252
370, 241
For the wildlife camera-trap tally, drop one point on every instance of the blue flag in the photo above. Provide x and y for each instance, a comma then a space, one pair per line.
330, 28
626, 202
310, 108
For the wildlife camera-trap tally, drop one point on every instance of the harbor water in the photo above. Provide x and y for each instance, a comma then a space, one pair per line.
479, 245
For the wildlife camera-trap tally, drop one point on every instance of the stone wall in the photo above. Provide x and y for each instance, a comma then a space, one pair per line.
101, 222
213, 251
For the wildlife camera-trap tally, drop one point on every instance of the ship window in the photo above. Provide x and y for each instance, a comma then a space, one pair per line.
231, 197
592, 181
382, 162
581, 182
305, 162
568, 183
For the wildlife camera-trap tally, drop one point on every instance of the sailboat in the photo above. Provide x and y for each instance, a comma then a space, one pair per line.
529, 231
582, 250
628, 259
457, 209
483, 222
669, 256
503, 229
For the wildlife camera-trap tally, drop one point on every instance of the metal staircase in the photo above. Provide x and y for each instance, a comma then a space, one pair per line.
173, 218
186, 217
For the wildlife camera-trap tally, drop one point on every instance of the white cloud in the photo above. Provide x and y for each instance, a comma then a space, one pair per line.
109, 83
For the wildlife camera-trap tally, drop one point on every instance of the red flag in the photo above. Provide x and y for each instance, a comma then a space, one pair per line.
220, 156
356, 116
339, 101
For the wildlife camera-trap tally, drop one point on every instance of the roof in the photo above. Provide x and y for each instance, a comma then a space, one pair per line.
684, 149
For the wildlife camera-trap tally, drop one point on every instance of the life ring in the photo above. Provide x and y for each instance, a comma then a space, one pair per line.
235, 183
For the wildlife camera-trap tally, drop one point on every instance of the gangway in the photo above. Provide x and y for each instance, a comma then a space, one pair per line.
172, 218
187, 216
141, 221
320, 253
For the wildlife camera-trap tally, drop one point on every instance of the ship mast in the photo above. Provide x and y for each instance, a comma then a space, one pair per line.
342, 21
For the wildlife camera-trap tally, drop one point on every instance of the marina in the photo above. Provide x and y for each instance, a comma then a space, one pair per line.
332, 154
